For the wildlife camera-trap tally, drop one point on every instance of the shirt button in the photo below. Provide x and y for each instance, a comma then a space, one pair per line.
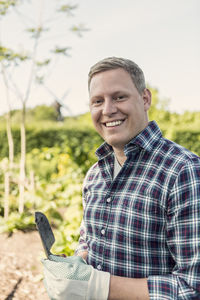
99, 267
108, 200
103, 231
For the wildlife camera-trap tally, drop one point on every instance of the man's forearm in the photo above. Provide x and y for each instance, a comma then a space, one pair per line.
122, 288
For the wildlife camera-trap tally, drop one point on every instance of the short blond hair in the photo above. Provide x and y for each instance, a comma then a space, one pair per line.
128, 65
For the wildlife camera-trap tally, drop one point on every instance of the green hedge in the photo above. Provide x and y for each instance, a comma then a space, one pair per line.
189, 139
81, 143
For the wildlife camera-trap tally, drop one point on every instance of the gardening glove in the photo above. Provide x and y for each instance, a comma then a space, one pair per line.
71, 278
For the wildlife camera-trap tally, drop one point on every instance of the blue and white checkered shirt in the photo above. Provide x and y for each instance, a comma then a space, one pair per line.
146, 222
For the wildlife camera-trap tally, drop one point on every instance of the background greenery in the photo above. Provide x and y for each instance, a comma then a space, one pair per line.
58, 157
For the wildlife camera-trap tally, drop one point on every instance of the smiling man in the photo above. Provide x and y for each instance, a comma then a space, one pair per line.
140, 234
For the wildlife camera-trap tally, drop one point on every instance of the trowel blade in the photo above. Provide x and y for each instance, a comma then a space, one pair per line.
45, 232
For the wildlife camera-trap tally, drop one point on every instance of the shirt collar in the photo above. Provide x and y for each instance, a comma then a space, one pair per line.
147, 139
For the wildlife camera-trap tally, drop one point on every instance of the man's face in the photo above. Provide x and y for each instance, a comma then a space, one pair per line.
118, 111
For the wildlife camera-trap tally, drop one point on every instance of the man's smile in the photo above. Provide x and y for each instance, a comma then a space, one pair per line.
113, 123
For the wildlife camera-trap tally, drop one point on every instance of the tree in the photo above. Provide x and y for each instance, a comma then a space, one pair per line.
38, 60
8, 57
159, 108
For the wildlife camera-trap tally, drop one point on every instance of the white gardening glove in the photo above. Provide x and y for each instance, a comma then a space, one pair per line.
70, 278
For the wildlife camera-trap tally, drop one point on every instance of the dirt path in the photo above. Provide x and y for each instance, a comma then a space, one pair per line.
20, 267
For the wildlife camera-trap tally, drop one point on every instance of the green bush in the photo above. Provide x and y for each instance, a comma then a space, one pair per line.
24, 222
189, 139
80, 143
57, 193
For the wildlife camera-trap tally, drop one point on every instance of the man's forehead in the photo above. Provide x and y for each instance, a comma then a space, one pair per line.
114, 81
112, 75
114, 72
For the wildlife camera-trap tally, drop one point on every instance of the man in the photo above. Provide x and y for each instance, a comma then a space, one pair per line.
140, 234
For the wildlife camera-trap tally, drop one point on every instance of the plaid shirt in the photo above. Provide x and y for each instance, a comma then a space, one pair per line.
146, 222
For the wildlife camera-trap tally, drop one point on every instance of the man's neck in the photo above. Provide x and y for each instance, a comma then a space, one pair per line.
121, 157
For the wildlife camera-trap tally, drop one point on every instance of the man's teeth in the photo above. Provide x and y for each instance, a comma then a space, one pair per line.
114, 123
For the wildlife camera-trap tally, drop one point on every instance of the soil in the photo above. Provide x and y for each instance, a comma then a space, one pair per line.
20, 267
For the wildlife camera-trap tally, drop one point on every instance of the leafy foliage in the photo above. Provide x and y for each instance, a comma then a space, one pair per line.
9, 56
6, 4
56, 192
159, 109
80, 141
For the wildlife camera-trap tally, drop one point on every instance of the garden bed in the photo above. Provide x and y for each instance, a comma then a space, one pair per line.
20, 267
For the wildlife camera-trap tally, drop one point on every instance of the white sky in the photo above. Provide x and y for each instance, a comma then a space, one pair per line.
161, 36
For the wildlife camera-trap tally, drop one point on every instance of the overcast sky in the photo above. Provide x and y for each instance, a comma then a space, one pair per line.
161, 36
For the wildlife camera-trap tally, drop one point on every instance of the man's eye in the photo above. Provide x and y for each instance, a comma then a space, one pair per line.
119, 98
97, 102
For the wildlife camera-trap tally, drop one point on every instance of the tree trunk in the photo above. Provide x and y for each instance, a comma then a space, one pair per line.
6, 194
22, 175
8, 119
10, 147
10, 140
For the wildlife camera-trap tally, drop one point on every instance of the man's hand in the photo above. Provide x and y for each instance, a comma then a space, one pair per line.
83, 254
70, 278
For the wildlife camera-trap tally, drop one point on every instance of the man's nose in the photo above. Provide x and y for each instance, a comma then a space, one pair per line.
109, 107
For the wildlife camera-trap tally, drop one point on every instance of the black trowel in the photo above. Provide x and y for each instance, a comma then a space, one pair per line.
45, 232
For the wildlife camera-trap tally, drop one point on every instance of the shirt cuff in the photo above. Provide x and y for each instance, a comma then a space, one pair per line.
81, 248
163, 287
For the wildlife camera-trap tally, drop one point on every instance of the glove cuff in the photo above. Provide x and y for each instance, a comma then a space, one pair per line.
98, 285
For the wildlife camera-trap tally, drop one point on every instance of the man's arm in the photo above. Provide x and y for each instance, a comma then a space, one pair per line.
183, 239
122, 288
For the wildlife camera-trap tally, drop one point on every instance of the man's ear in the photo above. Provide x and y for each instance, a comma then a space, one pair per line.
147, 99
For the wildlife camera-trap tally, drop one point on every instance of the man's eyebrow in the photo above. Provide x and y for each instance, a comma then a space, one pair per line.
119, 92
112, 93
95, 97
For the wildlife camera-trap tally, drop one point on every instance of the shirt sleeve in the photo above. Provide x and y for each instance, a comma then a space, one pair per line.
82, 244
183, 240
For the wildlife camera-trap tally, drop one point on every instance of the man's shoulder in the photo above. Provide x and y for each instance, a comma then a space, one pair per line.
178, 152
92, 172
